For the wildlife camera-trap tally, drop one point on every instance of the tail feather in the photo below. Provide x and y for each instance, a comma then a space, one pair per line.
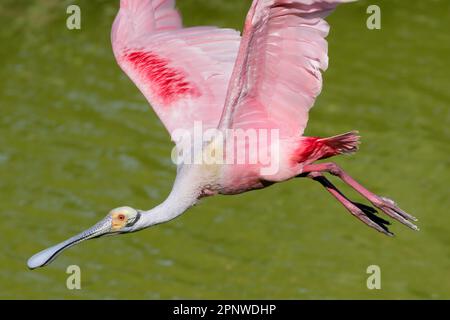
345, 143
312, 148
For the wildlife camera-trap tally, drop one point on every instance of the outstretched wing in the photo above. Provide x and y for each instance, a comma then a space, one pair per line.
183, 72
277, 73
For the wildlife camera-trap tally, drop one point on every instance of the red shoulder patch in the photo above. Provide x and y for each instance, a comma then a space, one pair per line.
168, 83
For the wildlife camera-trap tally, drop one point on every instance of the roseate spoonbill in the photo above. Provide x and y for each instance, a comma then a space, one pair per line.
273, 75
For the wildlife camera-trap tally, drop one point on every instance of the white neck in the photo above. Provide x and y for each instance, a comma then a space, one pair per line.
183, 196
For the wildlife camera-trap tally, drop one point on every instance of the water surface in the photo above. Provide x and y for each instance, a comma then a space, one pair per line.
77, 138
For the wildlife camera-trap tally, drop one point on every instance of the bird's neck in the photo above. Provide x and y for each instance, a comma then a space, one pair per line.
184, 195
168, 210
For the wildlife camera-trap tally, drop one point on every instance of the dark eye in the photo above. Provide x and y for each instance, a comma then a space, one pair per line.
121, 217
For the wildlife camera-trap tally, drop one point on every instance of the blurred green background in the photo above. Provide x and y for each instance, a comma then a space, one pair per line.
77, 138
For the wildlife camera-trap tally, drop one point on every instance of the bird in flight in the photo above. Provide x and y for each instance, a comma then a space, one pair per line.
236, 87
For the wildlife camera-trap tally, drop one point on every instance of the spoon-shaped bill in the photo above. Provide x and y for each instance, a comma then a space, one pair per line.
46, 256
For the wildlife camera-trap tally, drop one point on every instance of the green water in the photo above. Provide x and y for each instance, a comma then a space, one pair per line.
77, 139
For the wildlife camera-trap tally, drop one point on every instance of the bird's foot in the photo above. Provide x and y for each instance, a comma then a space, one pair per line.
386, 205
390, 208
368, 216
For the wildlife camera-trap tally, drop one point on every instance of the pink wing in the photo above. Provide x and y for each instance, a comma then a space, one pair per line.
277, 74
183, 72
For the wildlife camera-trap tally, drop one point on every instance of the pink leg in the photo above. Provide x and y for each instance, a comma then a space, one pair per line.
384, 204
364, 213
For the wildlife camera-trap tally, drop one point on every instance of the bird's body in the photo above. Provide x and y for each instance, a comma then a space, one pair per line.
292, 155
251, 96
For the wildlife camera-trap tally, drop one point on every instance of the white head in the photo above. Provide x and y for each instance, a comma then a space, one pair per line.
118, 221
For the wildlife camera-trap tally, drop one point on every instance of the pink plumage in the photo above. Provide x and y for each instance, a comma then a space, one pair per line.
282, 52
183, 72
266, 80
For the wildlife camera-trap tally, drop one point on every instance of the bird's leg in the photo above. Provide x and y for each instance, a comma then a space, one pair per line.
384, 204
362, 212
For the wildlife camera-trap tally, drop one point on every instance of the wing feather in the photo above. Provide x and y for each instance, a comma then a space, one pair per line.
277, 75
183, 72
